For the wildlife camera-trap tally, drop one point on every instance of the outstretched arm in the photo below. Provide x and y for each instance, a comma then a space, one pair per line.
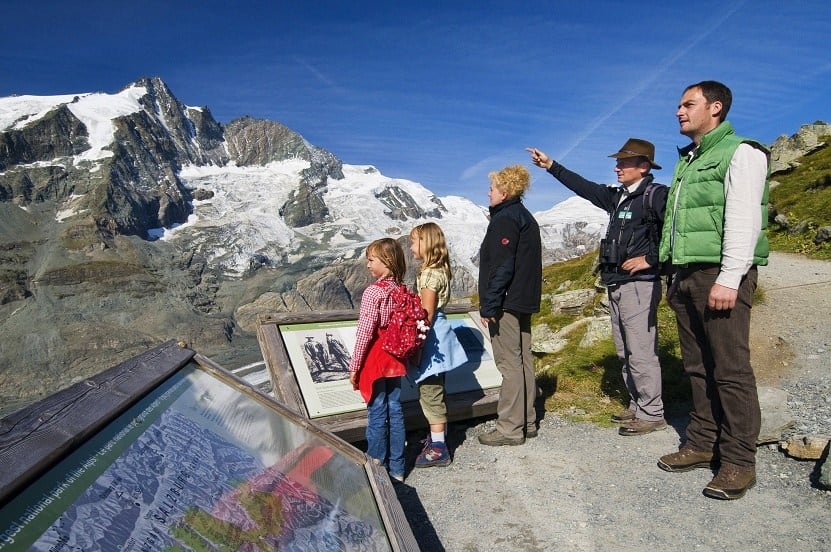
601, 196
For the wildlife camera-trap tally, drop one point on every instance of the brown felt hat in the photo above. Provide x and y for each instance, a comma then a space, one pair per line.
635, 147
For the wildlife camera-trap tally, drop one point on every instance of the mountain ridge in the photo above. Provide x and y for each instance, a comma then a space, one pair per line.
131, 218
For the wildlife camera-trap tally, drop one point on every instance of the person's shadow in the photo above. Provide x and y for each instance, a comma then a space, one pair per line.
423, 530
420, 524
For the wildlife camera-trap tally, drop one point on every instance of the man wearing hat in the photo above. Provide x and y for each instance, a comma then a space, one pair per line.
630, 271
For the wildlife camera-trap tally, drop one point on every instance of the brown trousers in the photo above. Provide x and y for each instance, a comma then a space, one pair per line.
716, 348
511, 340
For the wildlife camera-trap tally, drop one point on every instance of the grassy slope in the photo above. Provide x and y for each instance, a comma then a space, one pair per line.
804, 195
586, 383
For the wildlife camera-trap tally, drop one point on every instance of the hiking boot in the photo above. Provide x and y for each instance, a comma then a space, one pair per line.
433, 455
641, 427
623, 416
686, 459
531, 432
731, 482
496, 439
397, 478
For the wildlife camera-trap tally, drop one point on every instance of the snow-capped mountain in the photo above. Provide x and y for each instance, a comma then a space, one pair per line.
131, 218
246, 203
237, 218
570, 228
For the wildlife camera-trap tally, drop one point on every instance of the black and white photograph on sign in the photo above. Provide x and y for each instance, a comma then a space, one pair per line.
326, 356
320, 353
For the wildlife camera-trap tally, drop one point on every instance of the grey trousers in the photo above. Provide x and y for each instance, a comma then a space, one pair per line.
511, 341
634, 307
716, 348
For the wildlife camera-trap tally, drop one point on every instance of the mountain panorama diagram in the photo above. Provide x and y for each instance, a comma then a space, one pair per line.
198, 464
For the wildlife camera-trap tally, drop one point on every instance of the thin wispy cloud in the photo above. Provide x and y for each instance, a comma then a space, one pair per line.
651, 78
320, 76
483, 166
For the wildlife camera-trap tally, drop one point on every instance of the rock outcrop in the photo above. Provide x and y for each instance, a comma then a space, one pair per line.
57, 134
785, 151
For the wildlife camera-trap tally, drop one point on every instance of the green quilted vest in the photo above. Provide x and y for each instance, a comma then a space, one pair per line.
694, 223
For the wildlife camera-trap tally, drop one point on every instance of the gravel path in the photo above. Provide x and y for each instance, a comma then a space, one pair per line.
584, 488
795, 316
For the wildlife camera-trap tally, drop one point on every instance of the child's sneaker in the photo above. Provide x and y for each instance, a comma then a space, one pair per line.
434, 454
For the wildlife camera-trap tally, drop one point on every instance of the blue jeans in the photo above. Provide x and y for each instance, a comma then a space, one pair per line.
385, 435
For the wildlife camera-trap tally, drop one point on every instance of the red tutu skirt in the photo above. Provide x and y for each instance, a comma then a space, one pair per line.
378, 364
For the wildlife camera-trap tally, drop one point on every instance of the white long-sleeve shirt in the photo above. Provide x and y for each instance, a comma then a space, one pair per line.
744, 186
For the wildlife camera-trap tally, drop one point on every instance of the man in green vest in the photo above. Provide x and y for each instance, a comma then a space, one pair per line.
712, 235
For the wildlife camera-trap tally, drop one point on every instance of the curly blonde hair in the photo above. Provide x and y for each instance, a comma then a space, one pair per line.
513, 181
434, 247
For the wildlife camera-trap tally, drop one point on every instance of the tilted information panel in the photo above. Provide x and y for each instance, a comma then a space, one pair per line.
204, 463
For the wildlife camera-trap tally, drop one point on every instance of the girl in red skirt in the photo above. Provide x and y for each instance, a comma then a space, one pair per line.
373, 371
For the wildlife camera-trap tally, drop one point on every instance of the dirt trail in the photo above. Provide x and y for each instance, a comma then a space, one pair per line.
789, 326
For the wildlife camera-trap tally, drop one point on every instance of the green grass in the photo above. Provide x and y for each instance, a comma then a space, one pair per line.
803, 196
586, 383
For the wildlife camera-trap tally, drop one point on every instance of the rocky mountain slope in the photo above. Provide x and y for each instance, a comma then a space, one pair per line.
131, 218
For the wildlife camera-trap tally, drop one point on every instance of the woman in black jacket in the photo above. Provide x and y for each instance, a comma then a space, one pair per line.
510, 283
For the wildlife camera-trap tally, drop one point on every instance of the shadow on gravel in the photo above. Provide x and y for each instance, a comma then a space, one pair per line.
422, 527
420, 524
457, 433
679, 424
423, 530
816, 474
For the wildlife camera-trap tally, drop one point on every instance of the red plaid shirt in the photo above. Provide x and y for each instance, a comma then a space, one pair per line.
376, 309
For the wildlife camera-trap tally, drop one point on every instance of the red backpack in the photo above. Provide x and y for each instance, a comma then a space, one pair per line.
408, 327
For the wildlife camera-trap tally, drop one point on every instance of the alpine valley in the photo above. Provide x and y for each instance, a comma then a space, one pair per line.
129, 219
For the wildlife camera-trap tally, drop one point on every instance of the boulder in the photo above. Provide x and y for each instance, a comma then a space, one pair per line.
776, 417
823, 235
544, 340
572, 302
785, 151
599, 328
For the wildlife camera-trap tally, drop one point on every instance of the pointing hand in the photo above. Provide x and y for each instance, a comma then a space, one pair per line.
539, 158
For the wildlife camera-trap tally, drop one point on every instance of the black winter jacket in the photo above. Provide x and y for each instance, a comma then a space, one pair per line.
629, 222
510, 261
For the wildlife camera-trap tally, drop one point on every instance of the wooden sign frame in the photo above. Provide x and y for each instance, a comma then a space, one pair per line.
292, 382
176, 447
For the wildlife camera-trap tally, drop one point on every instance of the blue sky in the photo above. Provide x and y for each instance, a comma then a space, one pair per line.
442, 92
